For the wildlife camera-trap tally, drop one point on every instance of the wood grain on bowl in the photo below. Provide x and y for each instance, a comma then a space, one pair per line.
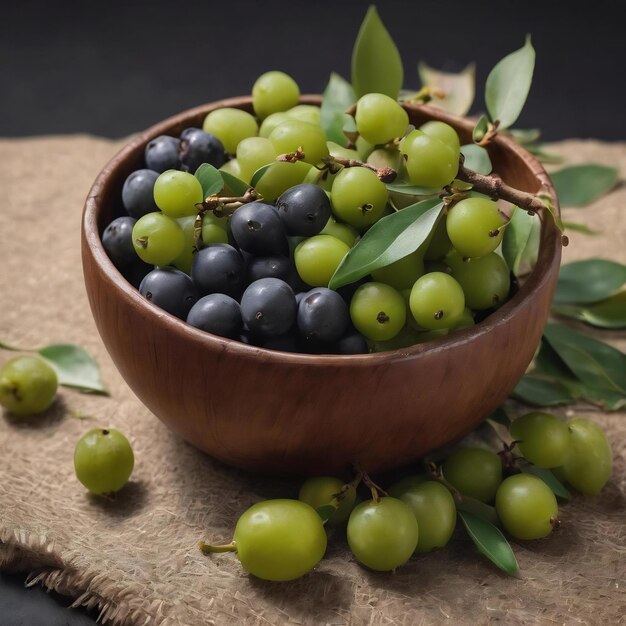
283, 412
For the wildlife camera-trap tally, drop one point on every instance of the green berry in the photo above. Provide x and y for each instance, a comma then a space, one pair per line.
379, 118
475, 226
318, 257
230, 126
323, 491
28, 385
358, 197
526, 507
437, 301
273, 92
177, 193
474, 472
542, 438
378, 311
103, 460
589, 460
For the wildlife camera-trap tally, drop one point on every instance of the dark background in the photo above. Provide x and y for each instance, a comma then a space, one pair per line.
112, 68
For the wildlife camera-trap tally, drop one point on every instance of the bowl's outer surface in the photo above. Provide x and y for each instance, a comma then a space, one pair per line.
282, 412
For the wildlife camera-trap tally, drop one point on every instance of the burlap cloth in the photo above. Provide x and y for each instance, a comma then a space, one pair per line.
136, 558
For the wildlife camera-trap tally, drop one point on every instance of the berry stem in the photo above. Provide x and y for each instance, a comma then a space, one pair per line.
386, 174
210, 549
494, 187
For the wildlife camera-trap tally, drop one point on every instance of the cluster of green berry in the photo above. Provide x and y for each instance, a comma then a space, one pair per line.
284, 539
225, 261
103, 458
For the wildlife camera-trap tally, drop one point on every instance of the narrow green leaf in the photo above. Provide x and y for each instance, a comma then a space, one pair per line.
549, 365
540, 391
550, 479
590, 280
74, 367
490, 542
595, 364
235, 185
508, 85
210, 179
6, 346
480, 129
580, 228
459, 88
476, 158
376, 63
388, 240
542, 155
412, 190
525, 136
552, 210
256, 177
338, 96
604, 398
609, 313
520, 243
326, 511
477, 508
578, 185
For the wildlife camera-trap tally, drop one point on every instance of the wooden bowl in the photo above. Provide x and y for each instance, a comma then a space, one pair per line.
282, 412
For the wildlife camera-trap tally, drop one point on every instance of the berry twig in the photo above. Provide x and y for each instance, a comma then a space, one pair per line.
386, 174
494, 187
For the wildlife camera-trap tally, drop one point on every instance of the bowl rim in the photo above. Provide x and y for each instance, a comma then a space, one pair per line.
548, 256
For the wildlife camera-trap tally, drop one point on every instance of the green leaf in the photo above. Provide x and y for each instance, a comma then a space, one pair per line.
525, 136
594, 363
476, 158
604, 398
542, 155
609, 313
478, 509
210, 179
549, 365
338, 96
480, 129
459, 89
578, 185
540, 391
256, 177
490, 542
74, 367
508, 85
326, 511
388, 240
580, 228
552, 210
550, 479
412, 190
520, 243
376, 63
590, 280
235, 185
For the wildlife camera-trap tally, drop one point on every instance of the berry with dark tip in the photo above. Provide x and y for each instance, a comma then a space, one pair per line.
198, 147
257, 229
138, 193
304, 209
322, 315
170, 289
216, 313
268, 307
218, 268
162, 154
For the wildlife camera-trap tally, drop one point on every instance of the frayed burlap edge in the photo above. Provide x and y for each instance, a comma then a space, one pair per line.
35, 555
